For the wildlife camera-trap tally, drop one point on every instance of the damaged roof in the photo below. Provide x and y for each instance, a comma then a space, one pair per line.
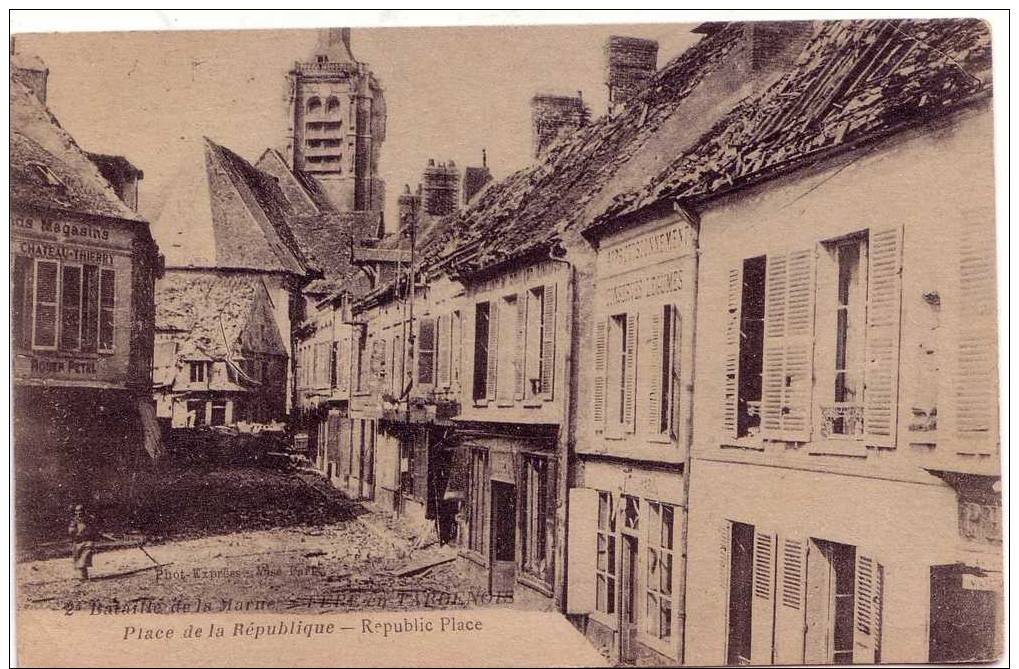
854, 81
212, 312
224, 213
49, 169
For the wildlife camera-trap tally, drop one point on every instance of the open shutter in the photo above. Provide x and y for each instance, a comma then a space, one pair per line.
881, 373
600, 360
630, 399
445, 345
520, 350
493, 350
548, 323
976, 386
582, 550
455, 348
762, 603
730, 397
788, 346
867, 618
790, 611
653, 368
725, 559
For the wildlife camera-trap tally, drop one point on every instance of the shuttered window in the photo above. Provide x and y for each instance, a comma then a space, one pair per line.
744, 349
599, 396
492, 380
444, 353
869, 593
629, 393
519, 345
788, 346
762, 601
70, 307
660, 351
548, 339
481, 350
976, 385
533, 347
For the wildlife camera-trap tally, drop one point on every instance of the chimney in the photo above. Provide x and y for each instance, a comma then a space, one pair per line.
475, 178
29, 71
629, 63
553, 116
774, 45
440, 188
408, 206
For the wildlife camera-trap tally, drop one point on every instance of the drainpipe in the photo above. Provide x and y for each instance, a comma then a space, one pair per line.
566, 434
694, 221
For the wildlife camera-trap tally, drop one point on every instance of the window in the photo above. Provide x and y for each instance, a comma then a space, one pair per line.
532, 346
426, 351
314, 105
664, 350
751, 347
849, 256
605, 598
360, 346
198, 372
70, 308
196, 412
481, 350
658, 586
538, 495
622, 355
476, 501
332, 105
218, 413
833, 577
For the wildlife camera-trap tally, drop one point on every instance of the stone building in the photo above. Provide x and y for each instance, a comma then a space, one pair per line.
83, 265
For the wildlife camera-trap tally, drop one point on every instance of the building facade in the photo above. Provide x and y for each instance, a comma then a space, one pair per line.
83, 265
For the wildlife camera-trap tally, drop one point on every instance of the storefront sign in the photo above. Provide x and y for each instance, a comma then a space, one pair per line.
61, 229
52, 367
35, 249
646, 287
501, 466
659, 245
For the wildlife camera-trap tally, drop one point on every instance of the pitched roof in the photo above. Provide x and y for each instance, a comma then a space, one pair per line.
211, 311
49, 169
223, 213
854, 80
530, 208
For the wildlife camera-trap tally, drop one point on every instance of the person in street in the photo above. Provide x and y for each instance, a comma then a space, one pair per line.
82, 531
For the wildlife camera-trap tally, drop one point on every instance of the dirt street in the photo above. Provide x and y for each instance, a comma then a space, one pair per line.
344, 558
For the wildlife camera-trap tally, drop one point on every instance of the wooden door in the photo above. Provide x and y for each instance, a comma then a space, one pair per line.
503, 539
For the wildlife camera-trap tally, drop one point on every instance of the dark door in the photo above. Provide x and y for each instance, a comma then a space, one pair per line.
628, 598
963, 619
504, 538
742, 561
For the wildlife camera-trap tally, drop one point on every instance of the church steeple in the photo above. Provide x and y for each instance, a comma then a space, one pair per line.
334, 46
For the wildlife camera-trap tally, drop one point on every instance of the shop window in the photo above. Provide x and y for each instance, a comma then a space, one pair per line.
482, 352
605, 597
659, 559
538, 496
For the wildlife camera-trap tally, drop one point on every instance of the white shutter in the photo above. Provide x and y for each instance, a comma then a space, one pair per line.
520, 350
725, 559
548, 340
651, 411
976, 386
868, 614
456, 347
444, 342
762, 599
790, 609
881, 373
600, 363
582, 551
730, 396
630, 398
788, 346
492, 371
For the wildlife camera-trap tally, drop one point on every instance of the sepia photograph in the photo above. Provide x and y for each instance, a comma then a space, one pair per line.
638, 343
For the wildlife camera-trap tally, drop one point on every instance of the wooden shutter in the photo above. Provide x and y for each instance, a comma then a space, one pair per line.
520, 348
548, 340
492, 371
725, 559
456, 347
788, 346
600, 363
426, 354
652, 401
630, 398
762, 599
790, 611
343, 365
445, 344
730, 396
867, 618
976, 385
881, 371
582, 550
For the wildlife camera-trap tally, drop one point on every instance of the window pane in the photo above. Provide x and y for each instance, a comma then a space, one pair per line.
665, 626
602, 596
653, 613
667, 520
603, 553
652, 569
666, 574
611, 594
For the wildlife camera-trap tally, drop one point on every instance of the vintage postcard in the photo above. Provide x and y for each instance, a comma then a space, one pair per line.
526, 345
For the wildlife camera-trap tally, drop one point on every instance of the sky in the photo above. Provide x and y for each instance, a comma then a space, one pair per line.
450, 92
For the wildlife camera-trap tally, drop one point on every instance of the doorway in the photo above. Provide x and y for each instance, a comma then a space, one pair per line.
741, 563
628, 600
964, 615
503, 539
831, 590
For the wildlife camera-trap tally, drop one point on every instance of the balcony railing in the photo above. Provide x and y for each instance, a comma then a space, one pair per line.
842, 420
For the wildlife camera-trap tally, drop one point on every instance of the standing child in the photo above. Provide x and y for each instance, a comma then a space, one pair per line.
83, 533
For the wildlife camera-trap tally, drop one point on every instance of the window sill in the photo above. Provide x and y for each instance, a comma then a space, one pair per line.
474, 556
534, 583
743, 445
480, 404
504, 404
849, 448
531, 404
